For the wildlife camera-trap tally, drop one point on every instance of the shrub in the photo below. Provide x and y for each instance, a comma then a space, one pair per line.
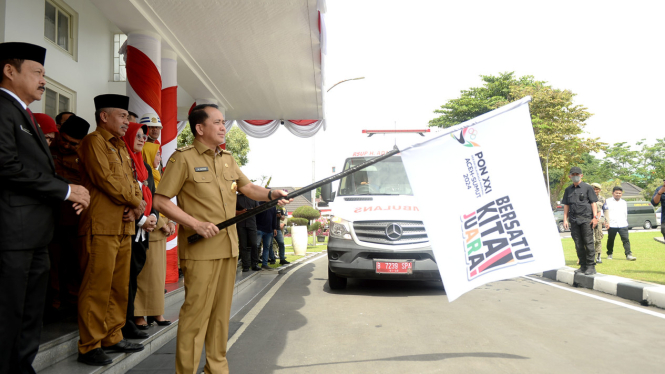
297, 222
307, 212
314, 227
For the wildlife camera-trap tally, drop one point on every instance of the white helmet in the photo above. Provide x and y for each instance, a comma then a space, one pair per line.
151, 120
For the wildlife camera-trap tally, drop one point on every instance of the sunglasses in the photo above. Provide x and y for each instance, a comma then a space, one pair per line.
139, 137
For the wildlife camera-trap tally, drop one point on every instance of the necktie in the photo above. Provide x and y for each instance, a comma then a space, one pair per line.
34, 124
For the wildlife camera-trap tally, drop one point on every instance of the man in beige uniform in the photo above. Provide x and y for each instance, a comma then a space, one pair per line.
105, 232
204, 178
603, 216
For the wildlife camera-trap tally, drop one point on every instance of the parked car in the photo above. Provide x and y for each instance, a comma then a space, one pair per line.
558, 219
641, 214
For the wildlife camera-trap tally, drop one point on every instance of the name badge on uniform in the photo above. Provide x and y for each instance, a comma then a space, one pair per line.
204, 168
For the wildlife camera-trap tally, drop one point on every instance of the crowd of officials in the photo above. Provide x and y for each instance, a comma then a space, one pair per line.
84, 219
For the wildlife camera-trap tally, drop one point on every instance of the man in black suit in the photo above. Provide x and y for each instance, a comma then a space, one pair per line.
29, 190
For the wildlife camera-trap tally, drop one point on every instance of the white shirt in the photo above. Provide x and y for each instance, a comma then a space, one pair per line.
25, 107
618, 212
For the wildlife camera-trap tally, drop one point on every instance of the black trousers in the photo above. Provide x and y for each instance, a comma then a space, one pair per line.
611, 235
24, 277
249, 250
582, 234
135, 266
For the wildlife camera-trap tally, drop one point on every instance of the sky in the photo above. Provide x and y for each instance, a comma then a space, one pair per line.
417, 55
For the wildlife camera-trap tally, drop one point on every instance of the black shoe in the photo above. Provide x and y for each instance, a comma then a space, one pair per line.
591, 270
272, 262
256, 268
131, 333
284, 262
244, 270
152, 320
180, 274
96, 357
582, 269
124, 346
266, 267
140, 327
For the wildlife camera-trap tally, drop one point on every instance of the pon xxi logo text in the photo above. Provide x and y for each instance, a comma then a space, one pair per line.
466, 137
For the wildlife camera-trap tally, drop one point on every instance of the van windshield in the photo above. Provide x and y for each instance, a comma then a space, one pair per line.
387, 177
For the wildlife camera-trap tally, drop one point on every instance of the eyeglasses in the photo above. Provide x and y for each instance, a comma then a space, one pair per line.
140, 137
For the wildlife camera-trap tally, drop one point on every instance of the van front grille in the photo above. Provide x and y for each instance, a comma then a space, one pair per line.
390, 232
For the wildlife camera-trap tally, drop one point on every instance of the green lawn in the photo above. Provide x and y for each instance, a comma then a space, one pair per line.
292, 257
650, 264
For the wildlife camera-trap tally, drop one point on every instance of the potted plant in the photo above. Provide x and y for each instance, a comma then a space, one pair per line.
308, 213
298, 230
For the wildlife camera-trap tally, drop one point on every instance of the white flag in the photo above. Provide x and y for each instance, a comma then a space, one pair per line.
484, 204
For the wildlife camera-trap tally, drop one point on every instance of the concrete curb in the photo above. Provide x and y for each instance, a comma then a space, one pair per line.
644, 293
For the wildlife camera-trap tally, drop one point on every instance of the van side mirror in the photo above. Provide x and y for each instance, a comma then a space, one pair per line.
326, 193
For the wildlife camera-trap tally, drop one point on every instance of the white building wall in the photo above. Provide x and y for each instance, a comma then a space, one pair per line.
89, 72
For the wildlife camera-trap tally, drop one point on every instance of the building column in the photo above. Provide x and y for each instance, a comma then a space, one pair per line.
144, 80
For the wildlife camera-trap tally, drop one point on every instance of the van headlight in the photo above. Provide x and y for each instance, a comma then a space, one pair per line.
340, 228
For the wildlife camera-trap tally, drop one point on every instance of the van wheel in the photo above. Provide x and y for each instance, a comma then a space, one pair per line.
560, 227
647, 225
335, 281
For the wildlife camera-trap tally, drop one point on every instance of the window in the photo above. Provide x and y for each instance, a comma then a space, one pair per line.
57, 99
60, 24
119, 68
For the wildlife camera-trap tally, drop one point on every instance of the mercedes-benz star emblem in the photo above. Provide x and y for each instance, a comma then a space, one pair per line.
394, 231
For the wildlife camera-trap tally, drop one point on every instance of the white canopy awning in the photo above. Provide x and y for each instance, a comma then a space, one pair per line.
259, 59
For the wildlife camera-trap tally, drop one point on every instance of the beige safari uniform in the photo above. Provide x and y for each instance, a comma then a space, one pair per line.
598, 230
205, 184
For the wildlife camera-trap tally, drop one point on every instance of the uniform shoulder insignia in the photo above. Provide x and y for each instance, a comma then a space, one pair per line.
181, 149
226, 152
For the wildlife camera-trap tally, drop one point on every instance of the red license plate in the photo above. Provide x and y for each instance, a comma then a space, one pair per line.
402, 267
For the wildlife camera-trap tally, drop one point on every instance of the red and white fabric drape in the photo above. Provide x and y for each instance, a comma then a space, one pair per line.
143, 57
169, 141
265, 128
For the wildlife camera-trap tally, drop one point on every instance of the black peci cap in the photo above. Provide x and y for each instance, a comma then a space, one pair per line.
22, 51
112, 101
575, 169
76, 127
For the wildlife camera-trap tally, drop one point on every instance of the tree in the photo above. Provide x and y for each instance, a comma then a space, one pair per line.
555, 119
236, 143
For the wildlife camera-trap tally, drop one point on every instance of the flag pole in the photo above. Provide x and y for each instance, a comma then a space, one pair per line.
263, 207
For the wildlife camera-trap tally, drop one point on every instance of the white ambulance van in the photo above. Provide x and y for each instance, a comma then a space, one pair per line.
376, 229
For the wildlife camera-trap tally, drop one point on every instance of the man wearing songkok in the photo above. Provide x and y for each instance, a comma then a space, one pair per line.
64, 249
105, 230
205, 179
29, 188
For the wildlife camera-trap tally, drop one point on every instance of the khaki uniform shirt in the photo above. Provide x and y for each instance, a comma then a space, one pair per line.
599, 208
106, 171
205, 184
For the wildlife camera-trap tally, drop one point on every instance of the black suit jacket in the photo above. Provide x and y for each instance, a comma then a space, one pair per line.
29, 186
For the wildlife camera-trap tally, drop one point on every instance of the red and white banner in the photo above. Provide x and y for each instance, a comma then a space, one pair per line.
485, 207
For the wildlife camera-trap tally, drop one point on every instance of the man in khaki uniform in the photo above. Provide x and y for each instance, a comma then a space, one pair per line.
603, 216
105, 231
205, 178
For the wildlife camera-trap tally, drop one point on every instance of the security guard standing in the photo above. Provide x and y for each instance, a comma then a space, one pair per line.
105, 230
64, 249
578, 200
603, 217
205, 178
